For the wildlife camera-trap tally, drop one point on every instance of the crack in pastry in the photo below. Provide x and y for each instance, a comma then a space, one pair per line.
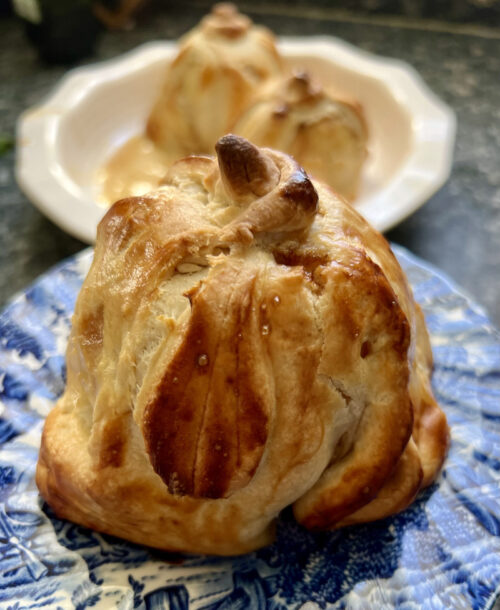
243, 341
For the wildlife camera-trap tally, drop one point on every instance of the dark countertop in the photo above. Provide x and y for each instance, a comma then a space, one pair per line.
459, 227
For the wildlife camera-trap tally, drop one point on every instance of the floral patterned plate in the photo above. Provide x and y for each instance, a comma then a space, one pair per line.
443, 552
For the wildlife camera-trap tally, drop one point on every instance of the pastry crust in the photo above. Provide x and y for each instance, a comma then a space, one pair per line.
213, 79
243, 341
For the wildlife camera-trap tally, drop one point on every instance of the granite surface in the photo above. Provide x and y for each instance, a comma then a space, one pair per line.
459, 227
452, 11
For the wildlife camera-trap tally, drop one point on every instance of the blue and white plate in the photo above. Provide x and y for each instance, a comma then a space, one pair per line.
443, 552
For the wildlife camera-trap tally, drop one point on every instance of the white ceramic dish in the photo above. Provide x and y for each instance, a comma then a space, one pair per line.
63, 142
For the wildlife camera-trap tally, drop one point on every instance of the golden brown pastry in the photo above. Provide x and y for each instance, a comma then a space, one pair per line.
327, 136
243, 341
220, 65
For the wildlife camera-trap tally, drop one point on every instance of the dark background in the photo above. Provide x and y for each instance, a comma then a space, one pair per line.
454, 45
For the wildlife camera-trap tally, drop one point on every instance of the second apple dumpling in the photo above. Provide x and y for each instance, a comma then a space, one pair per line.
328, 137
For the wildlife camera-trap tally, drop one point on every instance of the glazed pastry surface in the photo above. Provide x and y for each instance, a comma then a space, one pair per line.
243, 341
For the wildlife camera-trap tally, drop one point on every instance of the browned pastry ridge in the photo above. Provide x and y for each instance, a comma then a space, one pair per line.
243, 341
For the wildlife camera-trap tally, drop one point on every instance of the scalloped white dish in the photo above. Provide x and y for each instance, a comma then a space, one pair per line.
94, 110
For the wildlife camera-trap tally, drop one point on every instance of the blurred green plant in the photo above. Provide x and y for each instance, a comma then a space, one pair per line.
6, 143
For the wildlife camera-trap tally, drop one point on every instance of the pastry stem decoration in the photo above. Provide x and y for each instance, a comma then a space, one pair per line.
244, 169
225, 20
283, 198
244, 341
